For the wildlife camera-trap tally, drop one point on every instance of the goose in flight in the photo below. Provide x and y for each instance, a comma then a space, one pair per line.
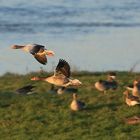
61, 76
38, 51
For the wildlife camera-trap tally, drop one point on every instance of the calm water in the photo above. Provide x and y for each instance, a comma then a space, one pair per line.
94, 35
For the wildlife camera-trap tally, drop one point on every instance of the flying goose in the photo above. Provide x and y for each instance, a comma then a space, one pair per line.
38, 51
130, 99
76, 104
61, 76
110, 83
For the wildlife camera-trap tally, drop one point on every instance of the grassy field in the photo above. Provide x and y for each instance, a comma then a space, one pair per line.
46, 116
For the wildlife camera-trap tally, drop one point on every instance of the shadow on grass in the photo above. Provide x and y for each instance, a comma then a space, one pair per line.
5, 99
111, 106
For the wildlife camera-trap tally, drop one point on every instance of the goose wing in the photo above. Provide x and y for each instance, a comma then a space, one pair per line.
37, 49
104, 83
134, 98
41, 58
63, 68
81, 104
113, 85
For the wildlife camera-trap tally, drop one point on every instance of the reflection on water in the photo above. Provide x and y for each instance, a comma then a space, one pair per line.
94, 36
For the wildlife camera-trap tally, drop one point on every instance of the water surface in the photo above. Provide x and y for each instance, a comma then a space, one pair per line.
93, 35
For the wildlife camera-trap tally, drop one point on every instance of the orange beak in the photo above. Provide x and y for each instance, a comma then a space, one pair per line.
34, 78
14, 47
50, 53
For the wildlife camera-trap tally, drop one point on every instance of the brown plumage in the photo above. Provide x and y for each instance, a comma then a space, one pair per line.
110, 83
38, 51
61, 76
130, 99
136, 88
76, 105
132, 120
63, 68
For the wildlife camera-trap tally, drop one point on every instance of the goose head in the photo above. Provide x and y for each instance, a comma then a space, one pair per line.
35, 78
112, 75
49, 53
74, 96
76, 82
16, 46
135, 82
126, 92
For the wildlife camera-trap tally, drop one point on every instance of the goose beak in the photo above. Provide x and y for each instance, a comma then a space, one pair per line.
34, 78
14, 47
113, 77
50, 53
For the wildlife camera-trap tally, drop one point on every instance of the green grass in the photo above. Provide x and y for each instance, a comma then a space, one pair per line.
45, 116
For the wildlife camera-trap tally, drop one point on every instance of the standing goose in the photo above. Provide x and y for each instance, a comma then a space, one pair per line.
136, 88
110, 83
61, 76
130, 99
38, 51
76, 104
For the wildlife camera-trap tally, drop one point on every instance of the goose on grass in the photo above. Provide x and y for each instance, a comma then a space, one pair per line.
76, 105
130, 99
110, 83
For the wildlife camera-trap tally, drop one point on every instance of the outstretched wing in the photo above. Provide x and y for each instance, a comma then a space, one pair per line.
63, 68
41, 58
37, 49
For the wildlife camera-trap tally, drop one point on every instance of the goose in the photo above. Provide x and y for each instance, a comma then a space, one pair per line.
132, 120
110, 83
136, 88
38, 51
61, 76
130, 99
76, 105
25, 90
